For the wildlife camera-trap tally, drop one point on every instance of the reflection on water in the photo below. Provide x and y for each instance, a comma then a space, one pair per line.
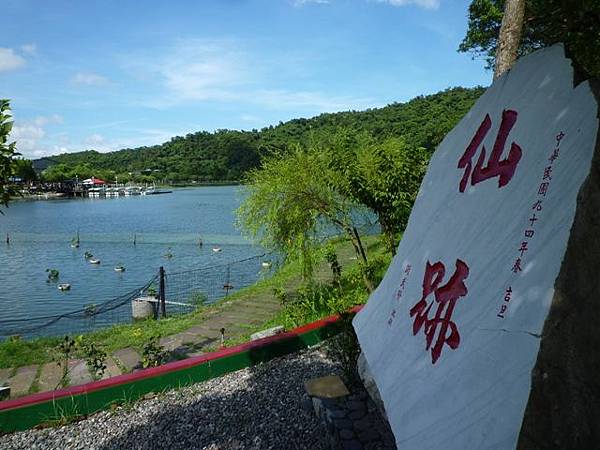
41, 231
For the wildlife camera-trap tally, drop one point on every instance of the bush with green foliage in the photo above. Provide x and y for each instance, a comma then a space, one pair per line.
64, 351
95, 357
153, 354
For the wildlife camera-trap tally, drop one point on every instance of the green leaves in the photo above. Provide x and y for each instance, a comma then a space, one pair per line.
8, 153
573, 22
289, 203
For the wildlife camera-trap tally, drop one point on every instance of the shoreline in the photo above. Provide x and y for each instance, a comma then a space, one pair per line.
53, 195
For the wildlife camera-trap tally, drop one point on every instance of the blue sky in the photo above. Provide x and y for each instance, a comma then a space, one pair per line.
107, 75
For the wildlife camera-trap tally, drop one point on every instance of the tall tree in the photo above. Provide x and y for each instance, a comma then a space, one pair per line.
384, 176
289, 206
576, 23
509, 39
8, 153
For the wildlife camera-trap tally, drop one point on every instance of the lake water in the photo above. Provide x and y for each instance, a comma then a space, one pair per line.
40, 234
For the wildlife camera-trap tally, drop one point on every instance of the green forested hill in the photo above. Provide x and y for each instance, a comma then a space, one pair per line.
227, 154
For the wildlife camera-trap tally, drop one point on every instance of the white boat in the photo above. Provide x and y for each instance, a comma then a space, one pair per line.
64, 286
120, 268
266, 264
112, 192
132, 190
216, 249
95, 192
94, 261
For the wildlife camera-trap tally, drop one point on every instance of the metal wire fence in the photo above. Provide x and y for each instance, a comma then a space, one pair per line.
183, 293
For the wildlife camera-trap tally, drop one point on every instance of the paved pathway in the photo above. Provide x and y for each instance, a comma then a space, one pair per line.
235, 316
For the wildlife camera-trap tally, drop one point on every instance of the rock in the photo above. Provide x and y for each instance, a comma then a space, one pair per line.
4, 392
346, 434
330, 386
369, 383
563, 409
266, 333
500, 332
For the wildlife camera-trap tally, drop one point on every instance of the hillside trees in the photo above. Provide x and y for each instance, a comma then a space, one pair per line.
23, 169
226, 155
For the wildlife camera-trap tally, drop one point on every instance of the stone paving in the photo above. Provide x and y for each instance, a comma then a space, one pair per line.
192, 342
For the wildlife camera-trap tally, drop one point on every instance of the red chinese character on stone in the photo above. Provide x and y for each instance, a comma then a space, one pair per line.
554, 155
537, 206
529, 233
547, 173
504, 169
445, 297
543, 190
559, 136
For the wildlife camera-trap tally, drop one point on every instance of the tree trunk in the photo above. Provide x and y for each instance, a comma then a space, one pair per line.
360, 252
510, 36
388, 235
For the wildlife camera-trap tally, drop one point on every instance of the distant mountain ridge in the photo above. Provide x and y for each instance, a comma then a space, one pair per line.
228, 154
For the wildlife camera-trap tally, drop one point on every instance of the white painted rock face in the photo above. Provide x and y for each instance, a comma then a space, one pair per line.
453, 331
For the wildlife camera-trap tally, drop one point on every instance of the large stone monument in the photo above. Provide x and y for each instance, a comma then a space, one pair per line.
485, 331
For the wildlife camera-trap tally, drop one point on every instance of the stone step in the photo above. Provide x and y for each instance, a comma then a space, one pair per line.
79, 372
202, 330
246, 315
5, 375
50, 377
112, 370
21, 381
128, 358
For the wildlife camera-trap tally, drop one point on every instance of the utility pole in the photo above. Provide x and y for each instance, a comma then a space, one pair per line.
509, 39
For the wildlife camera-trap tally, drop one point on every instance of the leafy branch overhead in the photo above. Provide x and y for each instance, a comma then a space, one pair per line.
546, 22
8, 153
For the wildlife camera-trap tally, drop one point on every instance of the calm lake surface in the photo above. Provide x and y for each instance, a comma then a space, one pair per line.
40, 234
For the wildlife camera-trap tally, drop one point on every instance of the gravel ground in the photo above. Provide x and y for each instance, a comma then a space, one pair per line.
263, 407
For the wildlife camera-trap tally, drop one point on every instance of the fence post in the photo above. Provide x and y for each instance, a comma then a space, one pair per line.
161, 292
227, 283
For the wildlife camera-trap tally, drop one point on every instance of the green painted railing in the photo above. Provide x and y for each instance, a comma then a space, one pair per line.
80, 401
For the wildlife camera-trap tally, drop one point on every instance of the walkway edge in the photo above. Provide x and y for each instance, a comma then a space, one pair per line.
26, 412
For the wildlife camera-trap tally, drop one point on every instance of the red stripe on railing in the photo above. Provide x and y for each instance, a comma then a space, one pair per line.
42, 397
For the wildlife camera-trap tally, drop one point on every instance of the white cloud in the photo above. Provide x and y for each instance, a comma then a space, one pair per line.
427, 4
219, 71
250, 118
95, 140
29, 135
300, 3
30, 49
280, 99
203, 70
9, 60
89, 79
